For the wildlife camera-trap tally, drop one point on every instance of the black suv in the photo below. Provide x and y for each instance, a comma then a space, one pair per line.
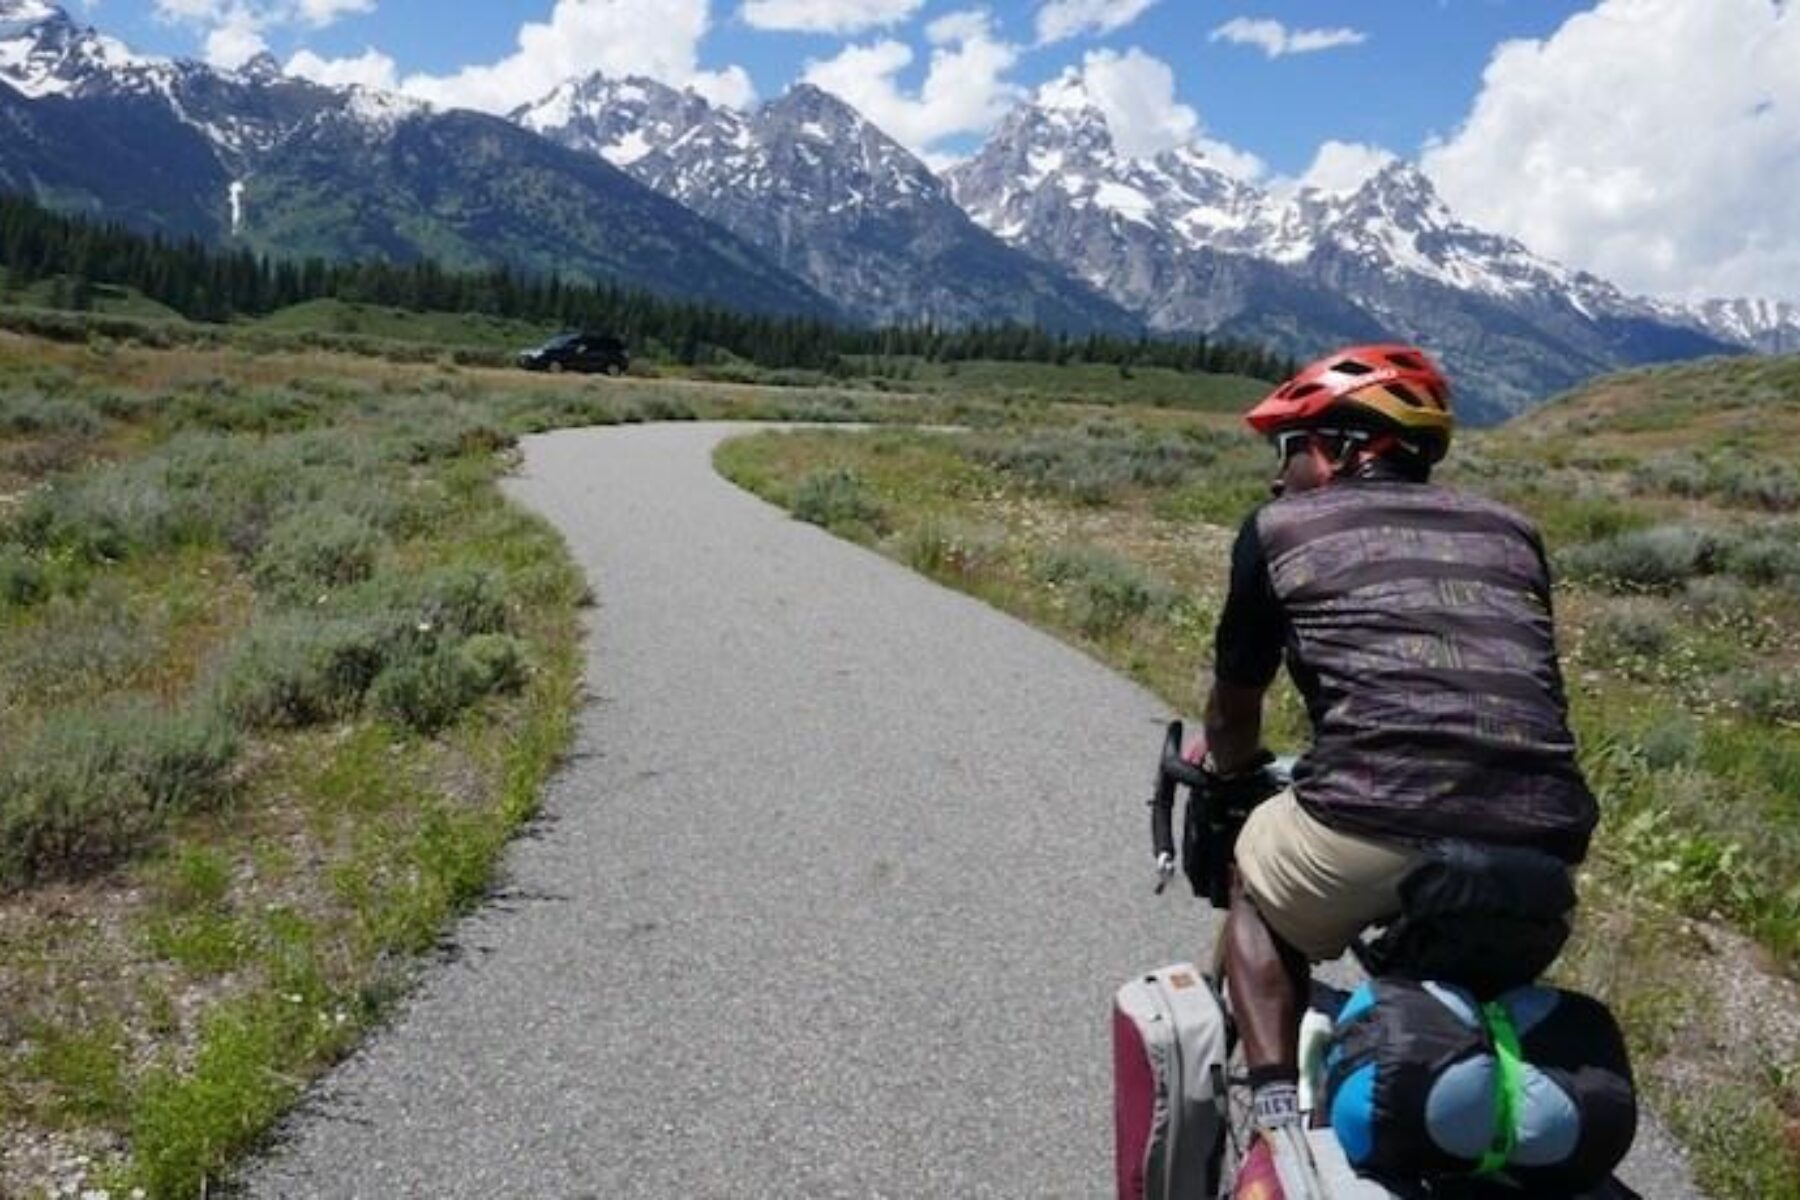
579, 352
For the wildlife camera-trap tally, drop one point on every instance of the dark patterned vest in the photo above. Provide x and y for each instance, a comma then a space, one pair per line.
1419, 631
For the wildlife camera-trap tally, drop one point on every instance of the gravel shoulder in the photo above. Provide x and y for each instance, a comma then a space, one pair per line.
830, 901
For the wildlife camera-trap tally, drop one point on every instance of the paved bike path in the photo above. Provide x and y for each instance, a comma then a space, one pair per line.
830, 901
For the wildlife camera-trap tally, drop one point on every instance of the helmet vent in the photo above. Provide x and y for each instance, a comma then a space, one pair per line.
1351, 367
1405, 395
1407, 361
1306, 389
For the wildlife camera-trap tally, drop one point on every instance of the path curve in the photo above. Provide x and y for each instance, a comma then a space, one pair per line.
830, 901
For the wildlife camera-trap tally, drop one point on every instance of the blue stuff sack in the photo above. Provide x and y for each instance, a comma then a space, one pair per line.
1532, 1088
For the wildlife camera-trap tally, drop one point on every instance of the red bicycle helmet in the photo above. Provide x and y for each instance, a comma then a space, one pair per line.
1395, 388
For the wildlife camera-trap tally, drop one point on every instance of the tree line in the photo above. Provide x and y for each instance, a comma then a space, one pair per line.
208, 283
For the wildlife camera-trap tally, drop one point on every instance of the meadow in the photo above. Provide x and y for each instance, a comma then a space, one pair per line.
1670, 500
281, 672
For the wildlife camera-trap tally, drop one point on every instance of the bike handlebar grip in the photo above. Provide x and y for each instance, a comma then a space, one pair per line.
1162, 802
1162, 824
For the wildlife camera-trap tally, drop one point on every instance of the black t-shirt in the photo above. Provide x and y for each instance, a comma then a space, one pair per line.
1415, 622
1252, 632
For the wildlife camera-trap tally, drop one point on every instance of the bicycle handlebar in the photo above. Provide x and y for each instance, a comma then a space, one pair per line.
1217, 808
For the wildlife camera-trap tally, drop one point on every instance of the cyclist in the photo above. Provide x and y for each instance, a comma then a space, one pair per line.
1416, 623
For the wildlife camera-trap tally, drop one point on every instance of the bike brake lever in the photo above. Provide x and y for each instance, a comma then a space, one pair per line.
1165, 871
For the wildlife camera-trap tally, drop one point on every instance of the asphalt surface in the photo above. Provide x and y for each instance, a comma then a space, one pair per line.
831, 900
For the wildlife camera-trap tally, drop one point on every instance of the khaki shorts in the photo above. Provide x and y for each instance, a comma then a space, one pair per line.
1317, 887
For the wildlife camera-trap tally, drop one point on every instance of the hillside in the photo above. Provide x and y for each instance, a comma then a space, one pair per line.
1670, 502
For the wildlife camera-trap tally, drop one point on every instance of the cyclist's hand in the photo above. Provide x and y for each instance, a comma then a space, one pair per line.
1165, 871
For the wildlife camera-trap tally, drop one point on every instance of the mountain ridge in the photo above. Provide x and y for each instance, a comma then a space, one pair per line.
804, 205
286, 166
830, 196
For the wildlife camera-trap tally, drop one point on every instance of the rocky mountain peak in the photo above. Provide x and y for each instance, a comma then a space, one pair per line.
829, 151
622, 120
262, 67
1401, 193
44, 52
809, 102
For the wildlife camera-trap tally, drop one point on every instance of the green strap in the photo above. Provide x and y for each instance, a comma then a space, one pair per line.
1509, 1081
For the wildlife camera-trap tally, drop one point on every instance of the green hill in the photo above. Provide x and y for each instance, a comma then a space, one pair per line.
397, 324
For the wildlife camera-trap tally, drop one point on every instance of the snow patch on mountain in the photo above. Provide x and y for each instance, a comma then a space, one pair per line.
44, 53
382, 111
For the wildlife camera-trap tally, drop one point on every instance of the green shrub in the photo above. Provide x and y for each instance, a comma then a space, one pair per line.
221, 406
316, 549
660, 408
1682, 473
1673, 741
306, 668
457, 602
946, 548
22, 579
448, 433
1094, 463
1105, 592
1772, 486
428, 691
81, 644
1765, 558
1630, 631
32, 414
1770, 695
92, 785
1718, 598
1731, 479
1656, 559
496, 661
838, 500
112, 514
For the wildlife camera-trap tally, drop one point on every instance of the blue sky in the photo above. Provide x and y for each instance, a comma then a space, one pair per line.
1655, 142
1415, 74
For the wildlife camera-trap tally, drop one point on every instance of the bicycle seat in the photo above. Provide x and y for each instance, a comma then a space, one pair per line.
1487, 918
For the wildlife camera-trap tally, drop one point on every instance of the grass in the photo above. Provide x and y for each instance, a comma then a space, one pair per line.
400, 325
1666, 515
263, 606
224, 618
280, 675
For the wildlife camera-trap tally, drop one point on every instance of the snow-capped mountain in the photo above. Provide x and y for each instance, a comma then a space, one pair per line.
44, 53
830, 196
1770, 326
283, 165
1181, 241
803, 205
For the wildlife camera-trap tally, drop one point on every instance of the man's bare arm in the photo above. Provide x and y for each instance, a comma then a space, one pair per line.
1233, 725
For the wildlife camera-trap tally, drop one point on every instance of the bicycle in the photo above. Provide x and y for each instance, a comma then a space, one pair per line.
1489, 917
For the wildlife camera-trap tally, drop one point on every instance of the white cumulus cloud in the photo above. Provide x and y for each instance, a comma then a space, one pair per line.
1135, 92
233, 31
320, 13
235, 39
965, 90
1059, 20
1345, 166
370, 69
659, 39
1653, 142
1275, 39
826, 16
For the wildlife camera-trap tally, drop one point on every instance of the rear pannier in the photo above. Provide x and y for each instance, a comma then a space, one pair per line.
1532, 1088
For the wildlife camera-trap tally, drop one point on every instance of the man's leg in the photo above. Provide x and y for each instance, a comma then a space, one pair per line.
1300, 893
1267, 979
